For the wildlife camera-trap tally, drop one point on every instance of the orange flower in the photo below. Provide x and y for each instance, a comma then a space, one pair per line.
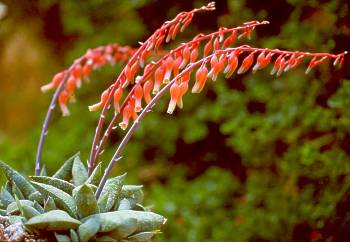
201, 77
62, 101
246, 64
56, 80
99, 105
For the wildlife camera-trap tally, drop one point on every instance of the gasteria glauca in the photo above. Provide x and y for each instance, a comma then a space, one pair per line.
145, 79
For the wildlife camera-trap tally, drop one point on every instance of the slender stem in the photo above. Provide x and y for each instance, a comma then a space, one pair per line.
46, 124
103, 140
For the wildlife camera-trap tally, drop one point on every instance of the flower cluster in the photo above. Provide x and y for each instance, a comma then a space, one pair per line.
80, 71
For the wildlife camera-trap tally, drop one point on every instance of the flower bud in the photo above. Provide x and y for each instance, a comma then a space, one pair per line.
174, 96
56, 80
116, 98
246, 64
158, 79
201, 77
147, 87
169, 64
138, 93
62, 101
99, 105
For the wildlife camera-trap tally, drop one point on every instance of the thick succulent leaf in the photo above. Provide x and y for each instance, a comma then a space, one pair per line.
105, 238
16, 191
65, 172
143, 236
86, 201
29, 212
73, 235
49, 204
13, 207
118, 225
62, 237
16, 219
36, 196
5, 197
79, 172
110, 193
55, 220
38, 207
88, 229
61, 198
21, 182
56, 182
133, 191
126, 204
146, 221
96, 175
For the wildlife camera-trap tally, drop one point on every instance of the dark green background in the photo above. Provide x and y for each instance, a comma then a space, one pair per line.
252, 158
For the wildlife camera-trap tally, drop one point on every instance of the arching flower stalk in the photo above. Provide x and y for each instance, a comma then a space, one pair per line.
182, 55
65, 82
165, 33
176, 92
144, 79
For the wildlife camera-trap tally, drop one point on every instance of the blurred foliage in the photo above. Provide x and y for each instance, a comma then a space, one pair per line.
253, 158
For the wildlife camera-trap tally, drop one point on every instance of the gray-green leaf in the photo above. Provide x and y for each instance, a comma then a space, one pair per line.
61, 198
56, 220
88, 229
85, 200
21, 182
56, 182
65, 172
96, 175
79, 172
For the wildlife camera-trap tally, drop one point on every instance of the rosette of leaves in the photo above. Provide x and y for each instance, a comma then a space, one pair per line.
64, 206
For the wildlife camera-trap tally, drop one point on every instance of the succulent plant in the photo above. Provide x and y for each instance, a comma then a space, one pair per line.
64, 206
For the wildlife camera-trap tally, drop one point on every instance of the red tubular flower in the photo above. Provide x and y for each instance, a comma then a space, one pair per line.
186, 54
175, 31
158, 79
87, 70
70, 86
207, 47
259, 61
216, 66
147, 87
186, 22
229, 40
216, 44
194, 53
177, 64
174, 96
138, 93
314, 62
127, 113
62, 101
99, 105
201, 77
169, 65
246, 64
183, 89
232, 64
56, 80
276, 65
116, 98
282, 66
